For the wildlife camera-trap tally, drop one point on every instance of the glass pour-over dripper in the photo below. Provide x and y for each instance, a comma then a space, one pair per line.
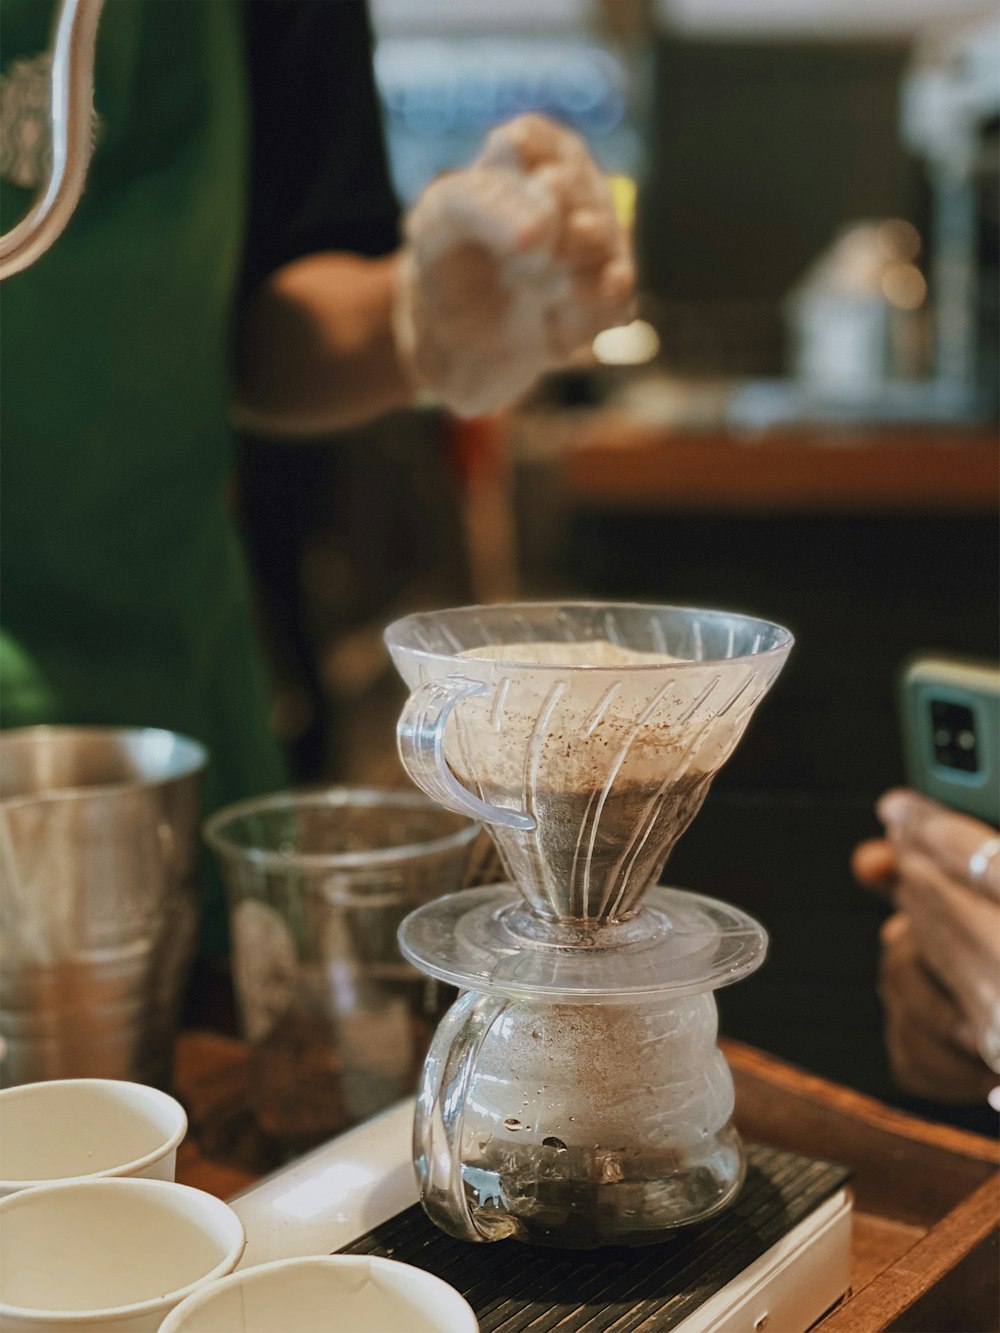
574, 1094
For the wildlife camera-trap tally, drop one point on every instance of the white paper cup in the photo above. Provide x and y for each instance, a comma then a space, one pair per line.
109, 1255
75, 1128
348, 1293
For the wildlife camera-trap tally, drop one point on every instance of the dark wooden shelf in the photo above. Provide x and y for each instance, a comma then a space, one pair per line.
618, 464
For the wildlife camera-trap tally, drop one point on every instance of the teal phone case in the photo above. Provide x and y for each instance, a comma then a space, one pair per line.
928, 680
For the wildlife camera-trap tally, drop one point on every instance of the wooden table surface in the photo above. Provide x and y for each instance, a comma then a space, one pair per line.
927, 1197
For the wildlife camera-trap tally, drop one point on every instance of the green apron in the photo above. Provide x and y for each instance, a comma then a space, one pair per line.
125, 599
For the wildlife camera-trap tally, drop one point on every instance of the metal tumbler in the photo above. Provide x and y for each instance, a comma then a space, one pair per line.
99, 899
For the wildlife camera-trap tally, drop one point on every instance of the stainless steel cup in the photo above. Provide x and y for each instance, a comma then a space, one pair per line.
317, 884
99, 904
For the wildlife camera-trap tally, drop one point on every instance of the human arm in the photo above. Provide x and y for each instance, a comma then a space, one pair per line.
313, 350
509, 267
316, 350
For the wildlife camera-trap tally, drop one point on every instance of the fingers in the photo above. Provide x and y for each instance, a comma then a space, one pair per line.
596, 301
589, 239
951, 839
958, 935
548, 214
513, 264
927, 1068
555, 159
905, 986
615, 288
929, 1048
874, 865
479, 205
577, 184
533, 140
466, 284
940, 965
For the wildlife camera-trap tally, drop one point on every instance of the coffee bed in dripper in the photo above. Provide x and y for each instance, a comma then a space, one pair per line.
574, 1095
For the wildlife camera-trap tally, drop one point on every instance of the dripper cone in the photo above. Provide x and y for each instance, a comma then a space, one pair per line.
584, 735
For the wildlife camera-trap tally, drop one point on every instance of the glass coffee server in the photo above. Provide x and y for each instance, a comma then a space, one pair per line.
574, 1094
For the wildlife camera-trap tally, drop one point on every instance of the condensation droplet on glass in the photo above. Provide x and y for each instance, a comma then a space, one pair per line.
553, 1142
511, 1123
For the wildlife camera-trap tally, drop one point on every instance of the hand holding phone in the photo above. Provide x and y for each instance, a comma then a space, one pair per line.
939, 865
939, 974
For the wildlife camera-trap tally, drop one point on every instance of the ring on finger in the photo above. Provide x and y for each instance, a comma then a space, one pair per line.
981, 859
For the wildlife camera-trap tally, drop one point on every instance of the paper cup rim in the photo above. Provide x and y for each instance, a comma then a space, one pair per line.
457, 1305
236, 1242
12, 1185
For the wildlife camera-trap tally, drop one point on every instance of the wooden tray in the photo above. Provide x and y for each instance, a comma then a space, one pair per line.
927, 1198
924, 1251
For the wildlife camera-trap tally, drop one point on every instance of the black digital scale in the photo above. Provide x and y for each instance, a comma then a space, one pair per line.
776, 1260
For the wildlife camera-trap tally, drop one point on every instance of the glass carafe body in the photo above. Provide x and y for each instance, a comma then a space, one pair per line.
576, 1125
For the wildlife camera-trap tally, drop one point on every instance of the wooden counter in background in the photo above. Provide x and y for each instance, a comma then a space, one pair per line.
927, 1196
616, 463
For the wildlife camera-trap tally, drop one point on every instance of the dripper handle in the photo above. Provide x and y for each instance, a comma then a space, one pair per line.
420, 735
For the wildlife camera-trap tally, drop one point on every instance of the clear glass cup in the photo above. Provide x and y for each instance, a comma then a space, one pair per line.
317, 885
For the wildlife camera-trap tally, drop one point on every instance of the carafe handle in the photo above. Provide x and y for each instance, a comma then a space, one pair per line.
438, 1127
420, 734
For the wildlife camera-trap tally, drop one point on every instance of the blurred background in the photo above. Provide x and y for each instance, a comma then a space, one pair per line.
801, 424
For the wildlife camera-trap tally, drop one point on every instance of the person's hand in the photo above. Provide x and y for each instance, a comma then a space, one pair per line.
931, 1045
509, 267
939, 976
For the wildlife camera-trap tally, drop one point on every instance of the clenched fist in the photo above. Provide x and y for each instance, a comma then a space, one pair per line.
510, 266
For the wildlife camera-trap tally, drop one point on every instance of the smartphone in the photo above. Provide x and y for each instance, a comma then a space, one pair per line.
950, 720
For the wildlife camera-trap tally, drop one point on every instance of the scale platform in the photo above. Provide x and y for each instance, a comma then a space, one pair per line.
776, 1260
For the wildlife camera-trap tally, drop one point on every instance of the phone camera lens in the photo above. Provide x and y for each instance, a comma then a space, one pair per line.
954, 734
